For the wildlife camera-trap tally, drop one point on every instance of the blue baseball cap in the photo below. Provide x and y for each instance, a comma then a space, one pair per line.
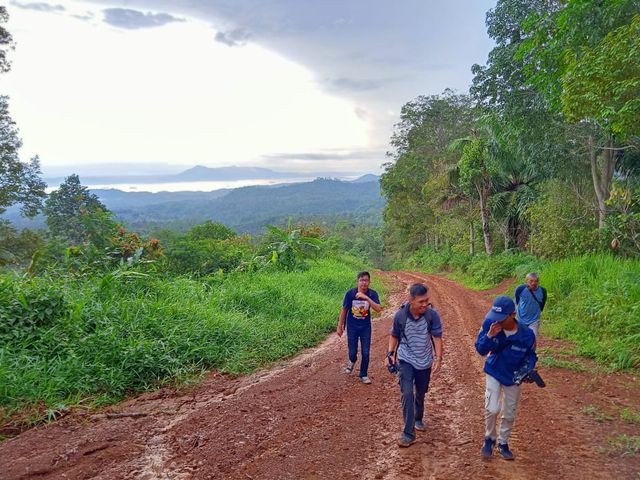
502, 307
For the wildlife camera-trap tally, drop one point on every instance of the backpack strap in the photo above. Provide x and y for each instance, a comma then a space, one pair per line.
403, 321
540, 304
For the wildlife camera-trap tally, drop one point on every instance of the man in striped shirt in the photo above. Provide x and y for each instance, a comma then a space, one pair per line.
417, 336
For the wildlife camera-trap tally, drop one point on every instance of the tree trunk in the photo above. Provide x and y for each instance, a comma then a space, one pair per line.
483, 193
602, 175
472, 240
472, 233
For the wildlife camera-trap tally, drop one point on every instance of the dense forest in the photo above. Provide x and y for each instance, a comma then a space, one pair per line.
536, 167
542, 154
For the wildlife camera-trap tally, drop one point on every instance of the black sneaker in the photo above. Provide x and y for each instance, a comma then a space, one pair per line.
487, 447
503, 448
420, 426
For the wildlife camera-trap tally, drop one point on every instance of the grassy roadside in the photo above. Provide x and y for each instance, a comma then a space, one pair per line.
98, 339
594, 300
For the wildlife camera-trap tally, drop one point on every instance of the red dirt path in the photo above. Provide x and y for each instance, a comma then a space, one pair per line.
306, 419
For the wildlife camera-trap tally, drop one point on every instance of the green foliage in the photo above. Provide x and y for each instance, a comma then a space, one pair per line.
595, 301
603, 83
473, 165
109, 335
76, 215
19, 181
366, 242
17, 248
623, 222
205, 256
206, 248
560, 36
211, 231
561, 223
420, 140
6, 41
28, 305
287, 248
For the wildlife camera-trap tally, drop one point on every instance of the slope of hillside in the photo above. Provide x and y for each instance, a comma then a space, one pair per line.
247, 209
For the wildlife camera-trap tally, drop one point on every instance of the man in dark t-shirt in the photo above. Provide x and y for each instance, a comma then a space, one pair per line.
356, 310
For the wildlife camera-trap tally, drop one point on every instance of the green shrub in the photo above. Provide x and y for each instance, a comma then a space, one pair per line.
27, 305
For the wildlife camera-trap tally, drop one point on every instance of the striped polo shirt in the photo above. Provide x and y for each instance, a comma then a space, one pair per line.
416, 346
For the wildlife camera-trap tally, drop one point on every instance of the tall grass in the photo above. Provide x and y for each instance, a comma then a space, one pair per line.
118, 335
595, 301
479, 271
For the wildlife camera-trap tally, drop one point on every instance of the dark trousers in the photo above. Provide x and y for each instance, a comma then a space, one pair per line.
414, 384
359, 330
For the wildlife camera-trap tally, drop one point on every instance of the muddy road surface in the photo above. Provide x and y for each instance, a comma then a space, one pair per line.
305, 419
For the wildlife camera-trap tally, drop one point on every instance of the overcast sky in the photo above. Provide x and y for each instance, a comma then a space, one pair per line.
295, 85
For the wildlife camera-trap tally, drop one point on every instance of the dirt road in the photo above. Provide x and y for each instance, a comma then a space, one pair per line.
306, 419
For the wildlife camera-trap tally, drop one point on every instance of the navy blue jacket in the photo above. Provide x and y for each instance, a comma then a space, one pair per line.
506, 354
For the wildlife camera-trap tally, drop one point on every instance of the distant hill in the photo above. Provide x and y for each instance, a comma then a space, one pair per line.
248, 209
194, 174
117, 200
200, 174
369, 177
245, 209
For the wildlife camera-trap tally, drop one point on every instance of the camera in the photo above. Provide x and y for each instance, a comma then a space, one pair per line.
528, 376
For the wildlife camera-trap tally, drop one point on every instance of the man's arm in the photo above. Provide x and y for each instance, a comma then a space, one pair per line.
518, 292
532, 358
341, 319
437, 358
544, 299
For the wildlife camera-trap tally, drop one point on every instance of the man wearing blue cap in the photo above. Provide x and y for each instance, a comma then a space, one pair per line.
510, 346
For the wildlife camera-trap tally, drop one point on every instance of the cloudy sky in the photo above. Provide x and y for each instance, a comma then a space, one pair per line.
292, 85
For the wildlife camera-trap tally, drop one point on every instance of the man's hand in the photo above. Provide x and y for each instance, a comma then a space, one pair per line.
494, 329
361, 296
435, 367
388, 359
340, 329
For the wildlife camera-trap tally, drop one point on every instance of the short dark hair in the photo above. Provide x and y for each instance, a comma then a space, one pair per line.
362, 274
418, 290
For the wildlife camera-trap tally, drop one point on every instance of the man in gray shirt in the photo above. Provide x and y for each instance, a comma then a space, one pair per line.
416, 341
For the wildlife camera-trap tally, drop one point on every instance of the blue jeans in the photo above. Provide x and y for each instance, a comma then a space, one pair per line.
414, 384
359, 330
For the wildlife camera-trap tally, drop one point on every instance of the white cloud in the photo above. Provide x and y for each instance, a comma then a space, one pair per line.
86, 92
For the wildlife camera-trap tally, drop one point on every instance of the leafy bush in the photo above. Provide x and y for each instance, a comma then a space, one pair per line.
27, 305
562, 224
205, 256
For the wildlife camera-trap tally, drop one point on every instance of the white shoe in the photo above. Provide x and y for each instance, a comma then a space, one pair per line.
349, 368
365, 380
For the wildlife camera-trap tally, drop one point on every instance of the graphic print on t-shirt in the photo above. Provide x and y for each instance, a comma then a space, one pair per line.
360, 309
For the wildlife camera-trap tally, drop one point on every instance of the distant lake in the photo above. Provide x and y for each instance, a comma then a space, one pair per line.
195, 186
